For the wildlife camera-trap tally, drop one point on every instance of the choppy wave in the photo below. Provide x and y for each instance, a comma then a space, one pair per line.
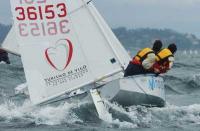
82, 113
182, 86
38, 115
187, 84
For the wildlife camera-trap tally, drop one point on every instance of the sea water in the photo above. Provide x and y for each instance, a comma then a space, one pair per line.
182, 111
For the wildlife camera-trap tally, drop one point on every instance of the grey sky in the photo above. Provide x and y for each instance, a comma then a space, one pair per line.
180, 15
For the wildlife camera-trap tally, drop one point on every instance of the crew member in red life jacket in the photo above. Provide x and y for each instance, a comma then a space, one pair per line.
165, 59
4, 56
144, 60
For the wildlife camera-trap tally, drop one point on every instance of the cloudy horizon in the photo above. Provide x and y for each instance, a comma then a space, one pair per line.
179, 15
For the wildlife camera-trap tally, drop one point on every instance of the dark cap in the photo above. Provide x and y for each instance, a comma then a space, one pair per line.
157, 45
172, 47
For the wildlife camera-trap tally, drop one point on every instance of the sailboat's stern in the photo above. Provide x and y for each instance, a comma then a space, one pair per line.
145, 90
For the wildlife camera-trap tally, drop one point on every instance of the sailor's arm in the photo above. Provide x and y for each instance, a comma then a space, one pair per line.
149, 61
163, 68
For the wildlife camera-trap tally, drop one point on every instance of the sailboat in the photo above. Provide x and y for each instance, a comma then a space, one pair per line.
69, 52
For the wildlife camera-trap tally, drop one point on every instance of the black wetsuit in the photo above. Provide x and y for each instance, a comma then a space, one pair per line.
134, 69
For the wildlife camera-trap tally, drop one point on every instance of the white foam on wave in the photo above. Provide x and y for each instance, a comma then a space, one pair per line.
8, 111
120, 123
47, 115
138, 116
178, 114
170, 115
56, 115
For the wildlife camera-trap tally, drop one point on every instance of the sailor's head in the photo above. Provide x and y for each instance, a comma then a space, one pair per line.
157, 45
172, 47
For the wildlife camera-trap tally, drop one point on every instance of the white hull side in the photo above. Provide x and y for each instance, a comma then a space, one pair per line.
136, 90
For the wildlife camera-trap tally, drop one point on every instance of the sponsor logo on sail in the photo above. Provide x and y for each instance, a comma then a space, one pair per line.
59, 56
66, 77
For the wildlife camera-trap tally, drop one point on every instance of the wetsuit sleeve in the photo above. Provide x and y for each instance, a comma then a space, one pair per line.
149, 61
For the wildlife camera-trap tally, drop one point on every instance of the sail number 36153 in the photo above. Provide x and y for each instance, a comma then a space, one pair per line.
41, 18
41, 12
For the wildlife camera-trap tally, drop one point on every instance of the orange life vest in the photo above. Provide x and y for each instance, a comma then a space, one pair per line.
163, 55
142, 55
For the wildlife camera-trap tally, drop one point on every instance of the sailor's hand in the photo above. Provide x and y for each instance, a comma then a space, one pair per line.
156, 70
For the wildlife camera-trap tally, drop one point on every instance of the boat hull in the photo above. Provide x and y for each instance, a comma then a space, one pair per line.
136, 90
147, 90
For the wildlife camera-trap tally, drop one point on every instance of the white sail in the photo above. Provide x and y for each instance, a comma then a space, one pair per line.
10, 43
61, 54
116, 46
94, 42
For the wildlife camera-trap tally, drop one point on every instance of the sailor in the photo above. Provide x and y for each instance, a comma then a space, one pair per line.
165, 59
4, 56
143, 62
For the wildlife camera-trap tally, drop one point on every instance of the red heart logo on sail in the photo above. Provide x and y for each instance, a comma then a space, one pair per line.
60, 55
